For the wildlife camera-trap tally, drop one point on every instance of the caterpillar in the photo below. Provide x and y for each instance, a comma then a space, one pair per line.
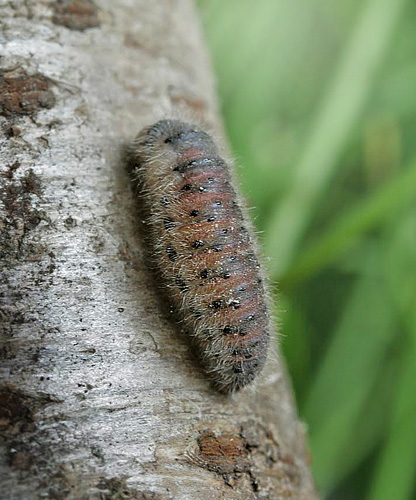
204, 249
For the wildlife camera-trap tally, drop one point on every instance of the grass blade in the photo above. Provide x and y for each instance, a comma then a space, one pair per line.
340, 111
347, 229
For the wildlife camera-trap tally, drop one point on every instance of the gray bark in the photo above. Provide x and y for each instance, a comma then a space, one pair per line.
100, 396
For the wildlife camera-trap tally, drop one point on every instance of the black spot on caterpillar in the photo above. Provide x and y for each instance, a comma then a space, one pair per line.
203, 249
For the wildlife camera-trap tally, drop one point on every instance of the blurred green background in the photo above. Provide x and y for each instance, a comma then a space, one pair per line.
319, 101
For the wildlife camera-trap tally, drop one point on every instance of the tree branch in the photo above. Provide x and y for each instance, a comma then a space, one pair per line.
101, 397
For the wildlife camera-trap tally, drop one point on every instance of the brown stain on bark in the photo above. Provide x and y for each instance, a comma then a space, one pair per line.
252, 452
24, 94
76, 14
224, 453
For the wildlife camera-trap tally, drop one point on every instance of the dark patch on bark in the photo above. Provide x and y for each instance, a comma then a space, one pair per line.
12, 131
76, 14
117, 489
15, 411
20, 215
67, 482
11, 317
24, 94
20, 192
70, 222
17, 423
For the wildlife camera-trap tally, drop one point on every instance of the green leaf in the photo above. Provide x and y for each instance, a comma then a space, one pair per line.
347, 375
396, 471
395, 475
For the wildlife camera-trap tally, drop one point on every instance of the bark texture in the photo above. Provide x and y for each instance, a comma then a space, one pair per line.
100, 395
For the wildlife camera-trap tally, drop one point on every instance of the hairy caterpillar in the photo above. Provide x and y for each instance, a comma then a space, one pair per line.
204, 249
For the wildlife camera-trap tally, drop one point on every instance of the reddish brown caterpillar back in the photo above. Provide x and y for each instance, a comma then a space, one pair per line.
204, 249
